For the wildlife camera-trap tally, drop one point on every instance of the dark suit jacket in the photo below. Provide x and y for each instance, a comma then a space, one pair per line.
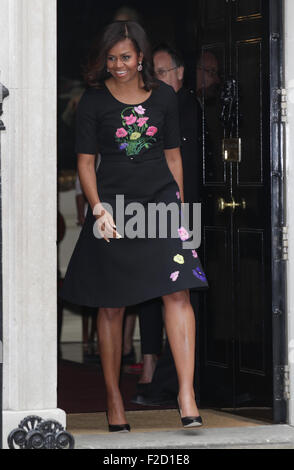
191, 129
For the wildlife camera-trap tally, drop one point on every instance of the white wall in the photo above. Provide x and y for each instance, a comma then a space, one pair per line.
28, 70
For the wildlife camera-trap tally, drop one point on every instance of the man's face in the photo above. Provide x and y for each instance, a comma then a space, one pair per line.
166, 70
207, 74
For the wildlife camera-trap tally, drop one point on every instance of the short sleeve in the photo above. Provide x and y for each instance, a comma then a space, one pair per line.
171, 136
86, 125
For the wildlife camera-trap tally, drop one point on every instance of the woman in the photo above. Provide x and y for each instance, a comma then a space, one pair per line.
133, 120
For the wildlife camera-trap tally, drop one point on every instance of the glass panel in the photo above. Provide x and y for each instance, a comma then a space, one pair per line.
250, 103
248, 7
218, 298
214, 11
250, 301
210, 71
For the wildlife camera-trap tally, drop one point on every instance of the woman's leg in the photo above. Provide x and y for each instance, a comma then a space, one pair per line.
109, 326
180, 328
130, 322
93, 316
149, 365
85, 320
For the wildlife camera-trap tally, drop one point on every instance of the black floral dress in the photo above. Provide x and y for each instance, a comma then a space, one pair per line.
131, 140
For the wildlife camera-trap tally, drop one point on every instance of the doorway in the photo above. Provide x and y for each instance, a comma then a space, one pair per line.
237, 321
237, 41
228, 42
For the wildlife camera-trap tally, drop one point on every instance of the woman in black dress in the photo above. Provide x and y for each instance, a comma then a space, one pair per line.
133, 120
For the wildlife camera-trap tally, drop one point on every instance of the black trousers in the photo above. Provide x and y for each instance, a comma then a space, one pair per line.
151, 325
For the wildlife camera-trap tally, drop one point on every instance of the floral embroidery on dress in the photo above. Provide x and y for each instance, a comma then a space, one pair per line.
199, 274
179, 259
195, 254
183, 234
174, 276
135, 134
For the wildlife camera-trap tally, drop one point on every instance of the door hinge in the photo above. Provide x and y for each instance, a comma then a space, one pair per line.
286, 383
281, 240
283, 104
1, 352
3, 94
285, 243
280, 105
282, 382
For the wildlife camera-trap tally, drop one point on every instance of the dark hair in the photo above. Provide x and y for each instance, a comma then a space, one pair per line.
174, 54
95, 71
129, 13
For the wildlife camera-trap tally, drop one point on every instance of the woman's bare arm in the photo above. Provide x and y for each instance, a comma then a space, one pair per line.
87, 175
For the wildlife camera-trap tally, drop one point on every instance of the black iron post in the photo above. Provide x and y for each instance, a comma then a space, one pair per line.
3, 93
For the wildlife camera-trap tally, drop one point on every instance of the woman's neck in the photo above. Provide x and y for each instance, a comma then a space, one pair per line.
130, 87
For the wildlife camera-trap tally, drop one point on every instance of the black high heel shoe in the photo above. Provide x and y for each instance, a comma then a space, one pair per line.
117, 427
189, 421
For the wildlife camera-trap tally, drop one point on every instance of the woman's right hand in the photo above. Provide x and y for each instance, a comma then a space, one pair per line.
105, 223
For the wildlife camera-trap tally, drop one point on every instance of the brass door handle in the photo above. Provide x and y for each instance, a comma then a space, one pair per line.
222, 204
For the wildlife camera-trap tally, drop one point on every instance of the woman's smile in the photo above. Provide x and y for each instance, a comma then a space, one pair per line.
121, 73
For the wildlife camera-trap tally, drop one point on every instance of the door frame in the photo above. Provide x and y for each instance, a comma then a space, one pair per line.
278, 210
3, 94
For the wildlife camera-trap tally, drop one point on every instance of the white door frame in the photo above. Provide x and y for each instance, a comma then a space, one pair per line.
28, 30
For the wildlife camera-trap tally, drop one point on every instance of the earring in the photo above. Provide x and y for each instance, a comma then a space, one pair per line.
140, 67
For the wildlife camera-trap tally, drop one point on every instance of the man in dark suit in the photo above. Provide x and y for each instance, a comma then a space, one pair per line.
163, 388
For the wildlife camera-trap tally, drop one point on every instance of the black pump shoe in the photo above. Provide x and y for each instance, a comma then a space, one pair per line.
118, 427
190, 421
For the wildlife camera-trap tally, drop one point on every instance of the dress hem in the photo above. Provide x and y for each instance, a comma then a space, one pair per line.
137, 302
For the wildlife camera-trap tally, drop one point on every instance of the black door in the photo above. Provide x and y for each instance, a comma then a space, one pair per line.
236, 319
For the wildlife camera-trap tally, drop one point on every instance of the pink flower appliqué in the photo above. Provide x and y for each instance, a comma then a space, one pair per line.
178, 194
139, 109
142, 121
151, 130
183, 233
194, 253
174, 276
121, 132
130, 119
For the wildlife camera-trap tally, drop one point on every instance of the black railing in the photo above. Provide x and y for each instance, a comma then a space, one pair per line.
3, 94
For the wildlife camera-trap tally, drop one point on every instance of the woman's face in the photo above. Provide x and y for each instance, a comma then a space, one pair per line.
122, 61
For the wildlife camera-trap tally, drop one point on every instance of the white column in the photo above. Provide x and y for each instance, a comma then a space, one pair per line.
28, 70
289, 69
